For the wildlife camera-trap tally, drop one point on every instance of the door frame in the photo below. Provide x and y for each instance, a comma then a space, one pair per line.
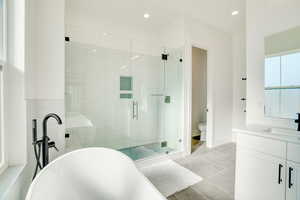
188, 98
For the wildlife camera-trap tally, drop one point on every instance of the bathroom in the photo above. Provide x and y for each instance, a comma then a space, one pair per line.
121, 77
199, 97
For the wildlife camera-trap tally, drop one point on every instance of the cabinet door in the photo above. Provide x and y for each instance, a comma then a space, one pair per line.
293, 181
259, 176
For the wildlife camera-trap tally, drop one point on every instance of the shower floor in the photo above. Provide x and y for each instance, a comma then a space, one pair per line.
139, 152
132, 147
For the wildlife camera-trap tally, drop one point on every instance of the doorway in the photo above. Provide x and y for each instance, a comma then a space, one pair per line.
199, 97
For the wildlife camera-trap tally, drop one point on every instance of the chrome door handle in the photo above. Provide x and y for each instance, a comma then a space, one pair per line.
135, 110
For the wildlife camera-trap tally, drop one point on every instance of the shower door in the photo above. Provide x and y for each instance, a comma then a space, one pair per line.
98, 97
147, 99
157, 103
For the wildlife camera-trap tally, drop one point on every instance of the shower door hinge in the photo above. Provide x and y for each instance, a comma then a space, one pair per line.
67, 39
164, 144
164, 56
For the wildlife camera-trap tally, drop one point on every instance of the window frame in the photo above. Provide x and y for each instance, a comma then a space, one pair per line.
279, 87
3, 63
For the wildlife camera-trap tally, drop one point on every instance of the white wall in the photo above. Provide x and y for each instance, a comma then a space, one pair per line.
219, 64
264, 18
239, 85
199, 87
45, 49
239, 72
119, 36
45, 71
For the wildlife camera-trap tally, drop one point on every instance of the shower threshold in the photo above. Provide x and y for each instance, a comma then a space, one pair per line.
143, 151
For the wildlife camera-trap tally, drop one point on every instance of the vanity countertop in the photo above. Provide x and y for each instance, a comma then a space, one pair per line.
267, 133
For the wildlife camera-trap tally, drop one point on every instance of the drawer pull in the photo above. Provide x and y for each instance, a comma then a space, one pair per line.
279, 173
290, 177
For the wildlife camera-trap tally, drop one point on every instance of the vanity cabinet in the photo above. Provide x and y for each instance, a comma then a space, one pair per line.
264, 171
258, 176
293, 181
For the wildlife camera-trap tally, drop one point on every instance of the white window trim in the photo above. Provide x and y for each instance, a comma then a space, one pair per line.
280, 86
3, 161
280, 55
283, 53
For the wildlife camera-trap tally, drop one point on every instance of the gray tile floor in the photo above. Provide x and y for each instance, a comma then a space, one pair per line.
216, 167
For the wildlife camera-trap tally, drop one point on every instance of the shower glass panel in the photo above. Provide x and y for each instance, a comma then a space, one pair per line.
123, 99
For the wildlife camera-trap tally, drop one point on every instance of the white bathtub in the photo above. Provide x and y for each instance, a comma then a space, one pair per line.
92, 174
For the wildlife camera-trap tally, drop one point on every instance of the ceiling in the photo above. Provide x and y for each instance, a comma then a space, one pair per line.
216, 13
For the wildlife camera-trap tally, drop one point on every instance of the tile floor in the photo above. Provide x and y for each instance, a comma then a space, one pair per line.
217, 168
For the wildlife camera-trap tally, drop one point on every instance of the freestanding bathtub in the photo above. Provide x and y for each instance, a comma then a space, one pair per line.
92, 174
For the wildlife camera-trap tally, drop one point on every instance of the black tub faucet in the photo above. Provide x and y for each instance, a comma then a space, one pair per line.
298, 121
45, 141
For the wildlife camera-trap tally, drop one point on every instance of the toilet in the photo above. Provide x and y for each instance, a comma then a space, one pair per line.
202, 129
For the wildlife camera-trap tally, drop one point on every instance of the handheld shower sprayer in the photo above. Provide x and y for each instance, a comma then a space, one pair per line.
36, 147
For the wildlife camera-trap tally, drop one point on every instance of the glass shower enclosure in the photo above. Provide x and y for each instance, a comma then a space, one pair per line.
124, 99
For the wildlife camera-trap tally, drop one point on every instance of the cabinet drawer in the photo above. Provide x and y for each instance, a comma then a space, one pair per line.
293, 152
264, 145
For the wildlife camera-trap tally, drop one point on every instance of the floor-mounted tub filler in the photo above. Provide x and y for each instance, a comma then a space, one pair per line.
92, 174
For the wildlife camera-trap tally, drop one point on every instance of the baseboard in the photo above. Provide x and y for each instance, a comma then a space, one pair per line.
221, 142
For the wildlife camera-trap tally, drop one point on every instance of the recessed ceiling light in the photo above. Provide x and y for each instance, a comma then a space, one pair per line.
146, 15
236, 12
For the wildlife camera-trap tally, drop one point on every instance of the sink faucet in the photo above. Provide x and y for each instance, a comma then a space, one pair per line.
45, 140
298, 121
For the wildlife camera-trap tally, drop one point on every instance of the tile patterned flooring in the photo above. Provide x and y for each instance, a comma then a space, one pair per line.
217, 167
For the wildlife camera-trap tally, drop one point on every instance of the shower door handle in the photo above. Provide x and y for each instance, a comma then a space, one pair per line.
135, 110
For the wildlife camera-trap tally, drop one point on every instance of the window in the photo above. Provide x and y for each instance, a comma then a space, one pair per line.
2, 63
282, 85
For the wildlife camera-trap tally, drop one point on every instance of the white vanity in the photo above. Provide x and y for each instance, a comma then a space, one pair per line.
267, 165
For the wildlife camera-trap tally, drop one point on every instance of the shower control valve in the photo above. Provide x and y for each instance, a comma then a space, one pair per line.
52, 145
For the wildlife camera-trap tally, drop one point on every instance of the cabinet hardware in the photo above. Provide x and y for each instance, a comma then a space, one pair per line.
279, 173
290, 177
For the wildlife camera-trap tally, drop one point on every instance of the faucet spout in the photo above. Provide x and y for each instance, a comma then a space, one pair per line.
45, 140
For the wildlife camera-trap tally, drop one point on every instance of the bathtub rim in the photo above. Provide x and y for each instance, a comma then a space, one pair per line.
44, 170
